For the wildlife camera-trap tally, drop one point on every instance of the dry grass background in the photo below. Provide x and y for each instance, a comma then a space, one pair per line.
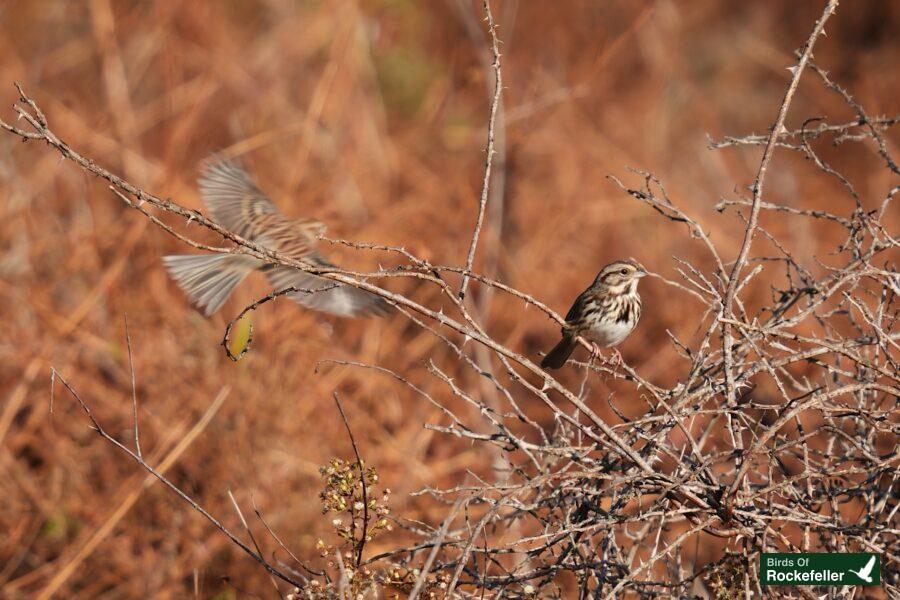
370, 116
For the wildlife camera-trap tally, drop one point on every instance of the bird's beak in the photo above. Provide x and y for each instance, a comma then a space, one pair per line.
640, 273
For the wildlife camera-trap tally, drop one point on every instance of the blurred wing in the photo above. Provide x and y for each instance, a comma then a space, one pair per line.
231, 196
325, 295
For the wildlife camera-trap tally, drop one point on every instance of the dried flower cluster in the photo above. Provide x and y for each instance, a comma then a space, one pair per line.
350, 495
360, 515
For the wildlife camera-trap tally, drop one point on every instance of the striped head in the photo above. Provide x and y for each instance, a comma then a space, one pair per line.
620, 277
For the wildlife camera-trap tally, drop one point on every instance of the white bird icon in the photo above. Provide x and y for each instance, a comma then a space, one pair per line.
866, 572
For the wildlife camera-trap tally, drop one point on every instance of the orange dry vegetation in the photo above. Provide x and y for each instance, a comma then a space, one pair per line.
371, 117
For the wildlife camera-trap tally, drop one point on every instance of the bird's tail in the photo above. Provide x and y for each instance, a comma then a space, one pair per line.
560, 353
208, 279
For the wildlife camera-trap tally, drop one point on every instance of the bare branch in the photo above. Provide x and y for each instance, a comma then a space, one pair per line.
489, 149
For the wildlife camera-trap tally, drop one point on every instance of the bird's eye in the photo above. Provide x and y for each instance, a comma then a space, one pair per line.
624, 271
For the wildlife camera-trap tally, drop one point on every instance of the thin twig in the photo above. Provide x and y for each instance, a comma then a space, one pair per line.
758, 186
134, 407
489, 149
162, 478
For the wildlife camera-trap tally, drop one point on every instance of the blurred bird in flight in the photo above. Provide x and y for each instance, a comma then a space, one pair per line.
237, 204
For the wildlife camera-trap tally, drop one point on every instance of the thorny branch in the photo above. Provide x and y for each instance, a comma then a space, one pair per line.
758, 186
489, 149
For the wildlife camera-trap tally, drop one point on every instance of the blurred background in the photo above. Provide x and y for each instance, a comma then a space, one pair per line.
370, 116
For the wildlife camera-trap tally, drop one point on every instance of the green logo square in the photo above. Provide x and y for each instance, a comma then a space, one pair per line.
820, 568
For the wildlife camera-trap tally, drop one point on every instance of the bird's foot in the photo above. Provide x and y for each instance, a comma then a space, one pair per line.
615, 361
595, 353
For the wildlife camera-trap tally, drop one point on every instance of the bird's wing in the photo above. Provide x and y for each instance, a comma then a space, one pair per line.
232, 197
578, 307
325, 295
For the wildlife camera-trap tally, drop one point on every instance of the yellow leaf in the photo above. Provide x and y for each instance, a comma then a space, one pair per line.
240, 334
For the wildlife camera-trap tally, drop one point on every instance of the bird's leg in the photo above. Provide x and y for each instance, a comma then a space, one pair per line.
595, 351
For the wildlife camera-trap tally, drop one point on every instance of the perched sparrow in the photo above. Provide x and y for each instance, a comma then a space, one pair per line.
604, 314
237, 204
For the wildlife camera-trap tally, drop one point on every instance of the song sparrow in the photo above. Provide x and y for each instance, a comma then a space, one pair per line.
604, 314
237, 204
